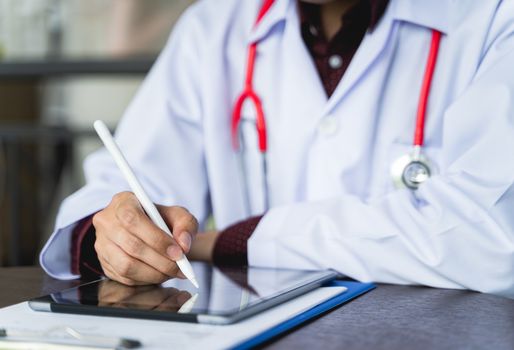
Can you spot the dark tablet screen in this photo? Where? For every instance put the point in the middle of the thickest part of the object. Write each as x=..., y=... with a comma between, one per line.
x=222, y=292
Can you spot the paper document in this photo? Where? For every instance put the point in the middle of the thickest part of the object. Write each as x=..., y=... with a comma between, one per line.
x=164, y=334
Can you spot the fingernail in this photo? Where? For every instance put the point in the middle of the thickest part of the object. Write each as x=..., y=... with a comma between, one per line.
x=185, y=241
x=174, y=252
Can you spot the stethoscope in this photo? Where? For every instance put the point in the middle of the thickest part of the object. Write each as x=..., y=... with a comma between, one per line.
x=409, y=171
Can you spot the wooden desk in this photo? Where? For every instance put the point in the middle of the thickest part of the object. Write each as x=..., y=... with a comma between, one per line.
x=390, y=317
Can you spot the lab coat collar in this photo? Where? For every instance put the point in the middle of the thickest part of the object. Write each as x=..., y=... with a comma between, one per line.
x=276, y=14
x=433, y=14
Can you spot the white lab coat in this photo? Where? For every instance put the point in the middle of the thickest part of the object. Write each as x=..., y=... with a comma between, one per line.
x=332, y=201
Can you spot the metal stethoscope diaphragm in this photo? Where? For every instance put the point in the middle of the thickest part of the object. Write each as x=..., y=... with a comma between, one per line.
x=411, y=170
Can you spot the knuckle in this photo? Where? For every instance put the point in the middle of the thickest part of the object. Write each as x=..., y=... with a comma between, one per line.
x=162, y=278
x=98, y=219
x=183, y=216
x=127, y=281
x=177, y=213
x=193, y=223
x=189, y=223
x=122, y=196
x=108, y=273
x=133, y=246
x=98, y=247
x=127, y=215
x=124, y=267
x=158, y=239
x=181, y=209
x=171, y=269
x=157, y=278
x=161, y=241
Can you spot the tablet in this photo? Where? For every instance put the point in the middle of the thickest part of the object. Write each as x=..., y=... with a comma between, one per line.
x=226, y=295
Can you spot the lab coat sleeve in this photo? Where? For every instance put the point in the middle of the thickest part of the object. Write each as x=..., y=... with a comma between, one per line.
x=161, y=136
x=456, y=231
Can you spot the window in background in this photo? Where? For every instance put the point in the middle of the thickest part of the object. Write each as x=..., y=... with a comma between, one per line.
x=31, y=29
x=62, y=31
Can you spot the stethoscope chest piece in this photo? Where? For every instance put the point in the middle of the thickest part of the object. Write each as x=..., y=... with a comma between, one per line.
x=411, y=170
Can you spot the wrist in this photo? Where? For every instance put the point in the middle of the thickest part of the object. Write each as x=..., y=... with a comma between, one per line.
x=203, y=246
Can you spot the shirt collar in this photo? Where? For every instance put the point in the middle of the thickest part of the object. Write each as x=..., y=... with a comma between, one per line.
x=373, y=11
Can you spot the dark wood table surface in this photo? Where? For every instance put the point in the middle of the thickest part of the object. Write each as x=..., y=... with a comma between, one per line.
x=389, y=317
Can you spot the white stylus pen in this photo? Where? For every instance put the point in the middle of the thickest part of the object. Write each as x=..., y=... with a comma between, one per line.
x=148, y=206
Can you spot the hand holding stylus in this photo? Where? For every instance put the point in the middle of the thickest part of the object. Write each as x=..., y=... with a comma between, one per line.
x=134, y=243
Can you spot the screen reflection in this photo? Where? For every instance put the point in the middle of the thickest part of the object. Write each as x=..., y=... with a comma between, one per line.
x=222, y=290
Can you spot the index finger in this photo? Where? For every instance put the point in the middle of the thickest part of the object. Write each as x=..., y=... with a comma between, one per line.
x=183, y=224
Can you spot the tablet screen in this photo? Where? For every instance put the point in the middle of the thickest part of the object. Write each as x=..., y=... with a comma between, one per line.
x=222, y=291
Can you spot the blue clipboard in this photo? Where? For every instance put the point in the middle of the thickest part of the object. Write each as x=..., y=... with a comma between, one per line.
x=354, y=289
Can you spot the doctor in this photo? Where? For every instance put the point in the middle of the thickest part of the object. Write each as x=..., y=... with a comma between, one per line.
x=384, y=150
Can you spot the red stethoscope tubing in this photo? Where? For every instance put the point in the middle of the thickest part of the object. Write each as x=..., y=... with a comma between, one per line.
x=250, y=94
x=425, y=88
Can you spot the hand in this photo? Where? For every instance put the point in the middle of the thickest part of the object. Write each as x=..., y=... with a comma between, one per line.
x=133, y=250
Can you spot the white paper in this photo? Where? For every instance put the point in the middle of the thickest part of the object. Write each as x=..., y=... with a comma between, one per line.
x=164, y=334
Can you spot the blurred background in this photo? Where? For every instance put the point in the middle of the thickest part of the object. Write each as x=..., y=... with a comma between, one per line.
x=63, y=64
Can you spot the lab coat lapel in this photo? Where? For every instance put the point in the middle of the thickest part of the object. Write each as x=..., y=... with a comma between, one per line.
x=295, y=102
x=434, y=14
x=302, y=89
x=276, y=14
x=370, y=49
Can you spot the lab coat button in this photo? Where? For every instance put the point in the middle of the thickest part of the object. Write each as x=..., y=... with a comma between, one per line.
x=328, y=127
